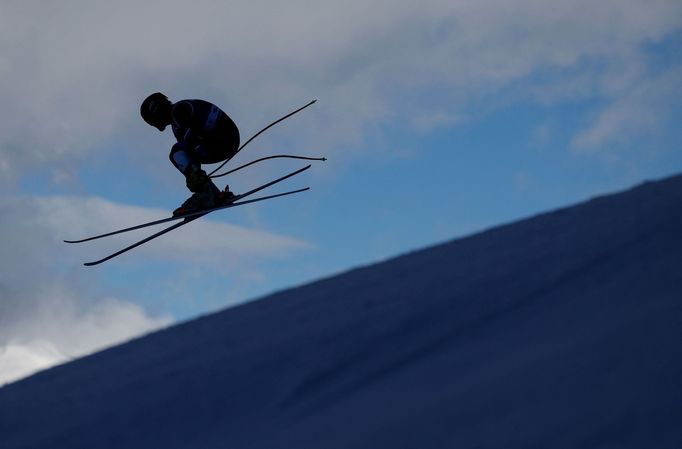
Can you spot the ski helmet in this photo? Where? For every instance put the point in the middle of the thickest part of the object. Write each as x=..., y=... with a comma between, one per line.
x=156, y=110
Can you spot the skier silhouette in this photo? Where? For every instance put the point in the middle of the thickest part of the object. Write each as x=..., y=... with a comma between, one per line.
x=205, y=135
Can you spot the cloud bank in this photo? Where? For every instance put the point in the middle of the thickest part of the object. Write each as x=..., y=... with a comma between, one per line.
x=51, y=312
x=62, y=324
x=82, y=67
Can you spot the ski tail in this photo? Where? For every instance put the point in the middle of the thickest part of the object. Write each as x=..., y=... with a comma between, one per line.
x=145, y=240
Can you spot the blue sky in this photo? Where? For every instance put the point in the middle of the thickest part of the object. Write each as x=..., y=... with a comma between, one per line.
x=438, y=121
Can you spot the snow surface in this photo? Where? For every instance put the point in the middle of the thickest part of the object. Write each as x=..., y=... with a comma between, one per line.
x=560, y=331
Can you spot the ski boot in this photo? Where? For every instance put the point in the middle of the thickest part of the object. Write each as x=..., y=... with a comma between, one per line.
x=205, y=194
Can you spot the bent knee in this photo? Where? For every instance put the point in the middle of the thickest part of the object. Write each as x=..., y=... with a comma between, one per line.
x=181, y=159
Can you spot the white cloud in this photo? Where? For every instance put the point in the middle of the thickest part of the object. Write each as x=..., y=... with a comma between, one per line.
x=76, y=217
x=641, y=110
x=47, y=317
x=51, y=308
x=60, y=329
x=82, y=67
x=20, y=360
x=48, y=314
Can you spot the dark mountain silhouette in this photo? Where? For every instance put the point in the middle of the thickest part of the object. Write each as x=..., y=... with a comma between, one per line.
x=560, y=331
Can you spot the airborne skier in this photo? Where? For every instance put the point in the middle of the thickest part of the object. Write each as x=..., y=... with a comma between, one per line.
x=205, y=135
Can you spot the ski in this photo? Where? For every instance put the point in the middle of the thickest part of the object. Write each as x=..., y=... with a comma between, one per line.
x=213, y=175
x=188, y=218
x=233, y=202
x=184, y=222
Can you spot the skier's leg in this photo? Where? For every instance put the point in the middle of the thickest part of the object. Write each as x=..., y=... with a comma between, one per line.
x=205, y=193
x=181, y=157
x=213, y=151
x=221, y=144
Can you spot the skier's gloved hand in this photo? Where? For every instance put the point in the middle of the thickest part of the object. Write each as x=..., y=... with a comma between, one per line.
x=196, y=180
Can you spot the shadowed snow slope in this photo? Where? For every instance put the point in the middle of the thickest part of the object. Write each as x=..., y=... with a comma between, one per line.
x=560, y=331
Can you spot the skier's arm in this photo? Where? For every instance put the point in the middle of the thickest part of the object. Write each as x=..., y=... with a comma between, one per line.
x=183, y=115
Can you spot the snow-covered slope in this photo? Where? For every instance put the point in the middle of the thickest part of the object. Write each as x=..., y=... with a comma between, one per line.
x=561, y=331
